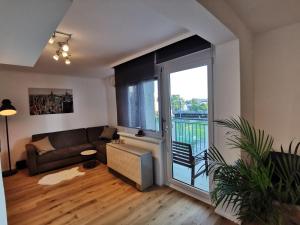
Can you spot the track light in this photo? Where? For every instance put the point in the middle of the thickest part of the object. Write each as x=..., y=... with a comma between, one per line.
x=67, y=61
x=52, y=39
x=65, y=47
x=56, y=56
x=64, y=54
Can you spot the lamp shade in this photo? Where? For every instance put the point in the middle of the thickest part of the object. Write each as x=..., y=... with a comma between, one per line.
x=7, y=109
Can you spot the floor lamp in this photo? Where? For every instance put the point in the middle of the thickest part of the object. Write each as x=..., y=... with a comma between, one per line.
x=7, y=109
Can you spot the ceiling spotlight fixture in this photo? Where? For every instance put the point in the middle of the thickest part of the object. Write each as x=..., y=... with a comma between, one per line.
x=68, y=61
x=52, y=39
x=56, y=56
x=64, y=54
x=62, y=39
x=65, y=47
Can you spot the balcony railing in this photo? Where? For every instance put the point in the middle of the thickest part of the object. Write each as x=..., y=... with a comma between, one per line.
x=193, y=132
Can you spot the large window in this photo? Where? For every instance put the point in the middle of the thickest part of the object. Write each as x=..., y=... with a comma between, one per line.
x=137, y=93
x=137, y=86
x=143, y=106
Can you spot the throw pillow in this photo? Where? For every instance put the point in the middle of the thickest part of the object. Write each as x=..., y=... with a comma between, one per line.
x=43, y=146
x=108, y=133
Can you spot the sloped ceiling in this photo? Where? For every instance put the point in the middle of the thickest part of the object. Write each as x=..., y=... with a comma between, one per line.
x=104, y=32
x=25, y=27
x=107, y=32
x=265, y=15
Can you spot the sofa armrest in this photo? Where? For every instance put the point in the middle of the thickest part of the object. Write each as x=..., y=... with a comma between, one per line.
x=32, y=155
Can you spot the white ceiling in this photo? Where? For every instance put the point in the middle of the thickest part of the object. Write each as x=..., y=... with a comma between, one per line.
x=109, y=31
x=265, y=15
x=104, y=32
x=22, y=35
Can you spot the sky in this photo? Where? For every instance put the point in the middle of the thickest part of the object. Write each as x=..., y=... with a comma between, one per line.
x=190, y=83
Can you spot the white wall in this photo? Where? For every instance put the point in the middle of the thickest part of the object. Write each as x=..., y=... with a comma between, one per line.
x=227, y=101
x=227, y=98
x=90, y=107
x=277, y=83
x=111, y=100
x=230, y=19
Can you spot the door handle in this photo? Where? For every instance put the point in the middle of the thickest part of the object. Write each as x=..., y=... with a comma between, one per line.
x=164, y=126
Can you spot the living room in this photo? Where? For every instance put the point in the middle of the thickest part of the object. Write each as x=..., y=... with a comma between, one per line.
x=116, y=112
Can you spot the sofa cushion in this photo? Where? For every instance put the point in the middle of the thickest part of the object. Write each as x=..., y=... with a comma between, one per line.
x=43, y=146
x=108, y=133
x=63, y=153
x=63, y=139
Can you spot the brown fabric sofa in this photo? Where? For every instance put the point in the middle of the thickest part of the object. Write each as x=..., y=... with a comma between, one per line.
x=68, y=144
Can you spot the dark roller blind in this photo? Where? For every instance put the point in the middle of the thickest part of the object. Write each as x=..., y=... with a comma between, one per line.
x=127, y=77
x=181, y=48
x=136, y=70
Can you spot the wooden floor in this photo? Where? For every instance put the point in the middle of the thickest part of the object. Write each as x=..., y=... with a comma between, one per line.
x=99, y=198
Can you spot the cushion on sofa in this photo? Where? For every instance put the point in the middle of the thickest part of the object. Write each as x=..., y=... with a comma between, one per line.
x=43, y=146
x=63, y=139
x=108, y=133
x=63, y=153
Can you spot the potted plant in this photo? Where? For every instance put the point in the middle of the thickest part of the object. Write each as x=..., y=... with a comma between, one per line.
x=262, y=189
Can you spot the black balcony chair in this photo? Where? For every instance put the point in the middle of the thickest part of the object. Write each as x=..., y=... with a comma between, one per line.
x=183, y=155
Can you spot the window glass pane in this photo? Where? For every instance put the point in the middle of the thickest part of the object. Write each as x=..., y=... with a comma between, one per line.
x=149, y=105
x=133, y=104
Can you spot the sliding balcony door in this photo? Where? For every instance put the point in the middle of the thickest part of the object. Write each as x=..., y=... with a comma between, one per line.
x=187, y=113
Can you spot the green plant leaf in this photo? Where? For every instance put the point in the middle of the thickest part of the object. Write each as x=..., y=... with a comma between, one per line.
x=246, y=187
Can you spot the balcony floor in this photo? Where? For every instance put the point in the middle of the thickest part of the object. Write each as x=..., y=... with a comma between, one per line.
x=183, y=174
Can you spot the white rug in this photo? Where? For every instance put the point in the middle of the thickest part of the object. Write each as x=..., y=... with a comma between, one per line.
x=55, y=178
